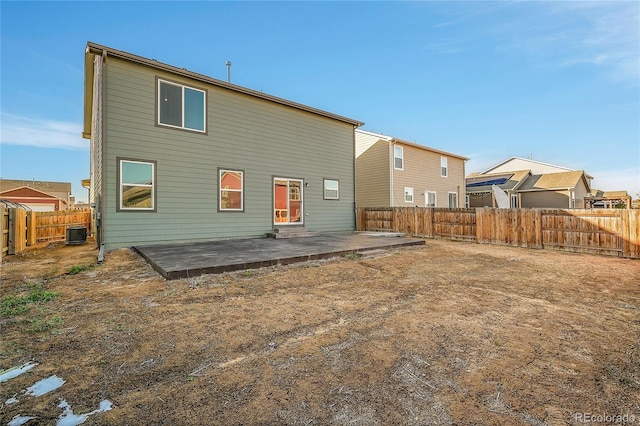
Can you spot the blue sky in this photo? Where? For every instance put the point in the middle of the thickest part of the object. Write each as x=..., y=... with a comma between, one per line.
x=558, y=81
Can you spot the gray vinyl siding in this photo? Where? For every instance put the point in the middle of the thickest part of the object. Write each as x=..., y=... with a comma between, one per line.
x=481, y=200
x=581, y=191
x=372, y=171
x=545, y=199
x=260, y=137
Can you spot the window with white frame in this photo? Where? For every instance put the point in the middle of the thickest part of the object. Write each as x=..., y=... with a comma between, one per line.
x=331, y=189
x=453, y=200
x=444, y=169
x=182, y=107
x=231, y=184
x=408, y=194
x=398, y=157
x=136, y=186
x=429, y=198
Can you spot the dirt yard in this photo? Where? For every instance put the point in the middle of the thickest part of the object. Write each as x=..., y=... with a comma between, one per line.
x=451, y=333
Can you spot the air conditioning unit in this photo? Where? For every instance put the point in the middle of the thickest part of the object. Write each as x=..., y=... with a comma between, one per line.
x=76, y=235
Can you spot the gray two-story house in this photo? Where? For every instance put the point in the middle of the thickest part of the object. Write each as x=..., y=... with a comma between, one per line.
x=179, y=156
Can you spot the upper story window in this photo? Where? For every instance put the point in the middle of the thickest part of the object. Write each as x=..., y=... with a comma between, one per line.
x=331, y=189
x=398, y=157
x=136, y=185
x=182, y=107
x=444, y=169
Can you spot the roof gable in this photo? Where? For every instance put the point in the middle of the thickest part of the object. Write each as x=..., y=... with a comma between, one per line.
x=45, y=186
x=407, y=143
x=26, y=192
x=554, y=181
x=519, y=163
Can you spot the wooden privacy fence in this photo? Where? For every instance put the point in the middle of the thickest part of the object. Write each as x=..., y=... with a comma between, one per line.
x=22, y=228
x=53, y=225
x=614, y=232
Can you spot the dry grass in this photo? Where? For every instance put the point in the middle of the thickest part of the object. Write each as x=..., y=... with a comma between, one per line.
x=449, y=333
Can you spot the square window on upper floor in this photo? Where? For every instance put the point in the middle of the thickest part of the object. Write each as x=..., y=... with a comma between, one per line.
x=181, y=106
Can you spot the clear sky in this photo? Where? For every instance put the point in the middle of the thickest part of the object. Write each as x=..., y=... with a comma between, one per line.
x=557, y=81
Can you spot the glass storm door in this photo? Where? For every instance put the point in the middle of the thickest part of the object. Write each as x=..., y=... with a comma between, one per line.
x=287, y=201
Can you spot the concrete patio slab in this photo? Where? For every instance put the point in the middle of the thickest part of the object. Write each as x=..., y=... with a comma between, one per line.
x=185, y=260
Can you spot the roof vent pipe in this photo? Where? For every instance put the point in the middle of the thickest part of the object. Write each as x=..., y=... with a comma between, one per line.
x=228, y=71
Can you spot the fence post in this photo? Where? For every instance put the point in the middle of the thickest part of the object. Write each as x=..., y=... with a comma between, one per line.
x=12, y=230
x=31, y=228
x=4, y=231
x=630, y=232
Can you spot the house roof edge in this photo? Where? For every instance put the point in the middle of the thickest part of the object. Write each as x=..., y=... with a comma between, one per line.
x=100, y=49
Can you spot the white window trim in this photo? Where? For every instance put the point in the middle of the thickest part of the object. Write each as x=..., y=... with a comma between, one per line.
x=220, y=189
x=426, y=198
x=444, y=166
x=408, y=191
x=152, y=186
x=204, y=107
x=449, y=199
x=324, y=189
x=401, y=157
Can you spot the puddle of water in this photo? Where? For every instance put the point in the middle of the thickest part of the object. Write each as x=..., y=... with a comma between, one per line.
x=45, y=386
x=12, y=400
x=19, y=420
x=16, y=371
x=67, y=418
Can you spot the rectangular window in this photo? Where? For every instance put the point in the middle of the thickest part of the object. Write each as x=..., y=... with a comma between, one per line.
x=398, y=157
x=231, y=184
x=430, y=198
x=181, y=106
x=453, y=200
x=331, y=189
x=514, y=201
x=444, y=172
x=408, y=194
x=136, y=185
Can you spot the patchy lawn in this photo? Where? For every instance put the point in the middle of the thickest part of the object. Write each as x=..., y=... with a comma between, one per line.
x=448, y=333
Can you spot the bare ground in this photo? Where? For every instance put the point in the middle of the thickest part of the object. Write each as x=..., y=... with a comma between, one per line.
x=452, y=333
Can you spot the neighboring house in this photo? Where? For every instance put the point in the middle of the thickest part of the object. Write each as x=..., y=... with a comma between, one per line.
x=179, y=156
x=37, y=195
x=479, y=187
x=555, y=190
x=392, y=172
x=530, y=183
x=513, y=164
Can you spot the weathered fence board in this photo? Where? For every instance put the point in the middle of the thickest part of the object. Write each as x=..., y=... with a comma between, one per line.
x=18, y=230
x=584, y=231
x=456, y=224
x=4, y=226
x=614, y=232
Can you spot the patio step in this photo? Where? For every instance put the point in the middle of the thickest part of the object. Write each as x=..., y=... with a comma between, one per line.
x=291, y=233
